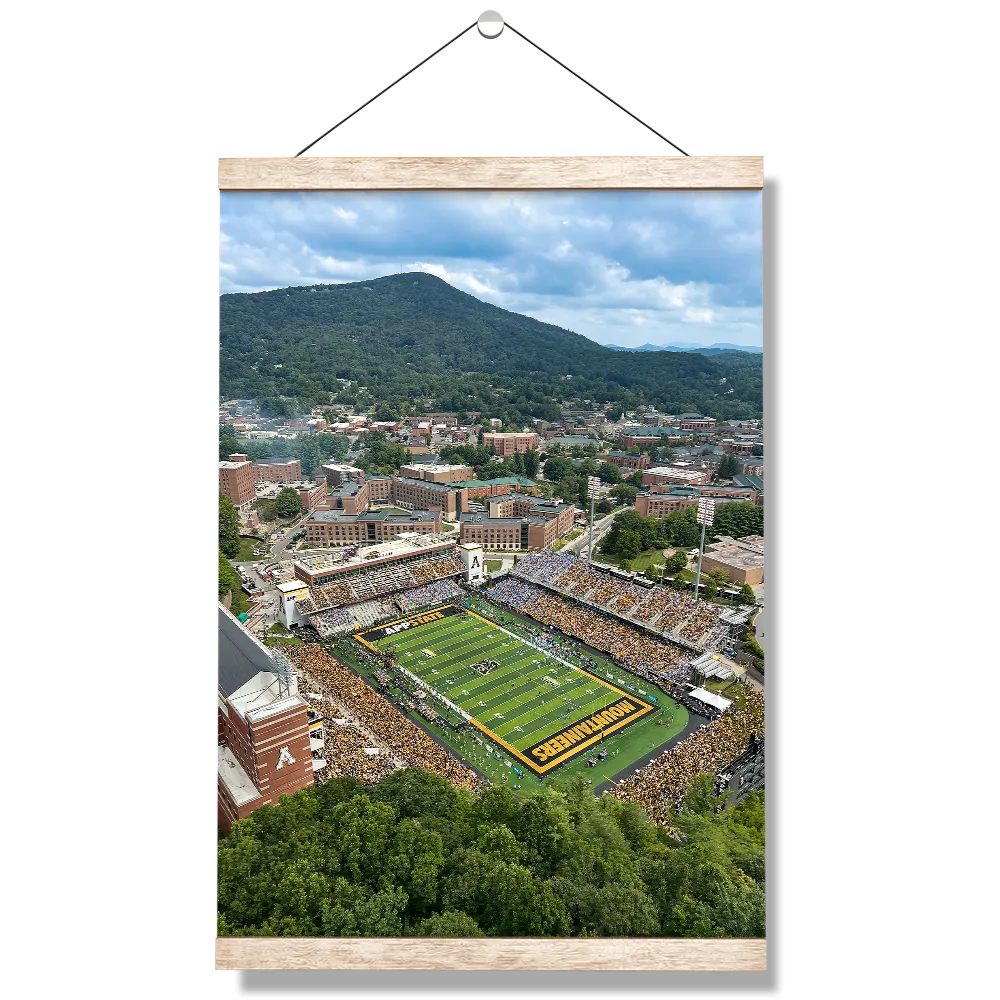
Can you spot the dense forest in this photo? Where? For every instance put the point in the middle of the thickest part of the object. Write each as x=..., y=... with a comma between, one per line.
x=408, y=338
x=414, y=856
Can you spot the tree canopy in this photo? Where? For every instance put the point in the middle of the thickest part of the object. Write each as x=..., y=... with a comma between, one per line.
x=413, y=856
x=287, y=503
x=229, y=527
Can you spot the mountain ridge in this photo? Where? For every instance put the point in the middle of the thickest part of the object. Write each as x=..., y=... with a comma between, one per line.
x=413, y=335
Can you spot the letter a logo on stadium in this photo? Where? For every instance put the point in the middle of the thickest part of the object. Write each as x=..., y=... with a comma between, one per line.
x=284, y=758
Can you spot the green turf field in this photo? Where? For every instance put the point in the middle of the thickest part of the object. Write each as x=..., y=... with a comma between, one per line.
x=541, y=708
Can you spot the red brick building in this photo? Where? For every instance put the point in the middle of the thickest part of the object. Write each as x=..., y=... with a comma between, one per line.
x=626, y=461
x=236, y=481
x=510, y=443
x=517, y=522
x=277, y=470
x=265, y=748
x=335, y=527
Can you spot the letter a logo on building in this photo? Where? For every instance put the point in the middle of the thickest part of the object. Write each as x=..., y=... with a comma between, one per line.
x=284, y=758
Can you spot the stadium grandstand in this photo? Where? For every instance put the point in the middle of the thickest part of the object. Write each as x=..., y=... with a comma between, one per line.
x=359, y=587
x=695, y=624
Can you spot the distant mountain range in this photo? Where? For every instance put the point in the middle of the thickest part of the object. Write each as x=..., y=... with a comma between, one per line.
x=688, y=348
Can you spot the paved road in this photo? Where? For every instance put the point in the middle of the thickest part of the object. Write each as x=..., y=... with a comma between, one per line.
x=579, y=545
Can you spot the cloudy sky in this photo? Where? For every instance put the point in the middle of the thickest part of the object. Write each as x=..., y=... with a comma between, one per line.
x=624, y=268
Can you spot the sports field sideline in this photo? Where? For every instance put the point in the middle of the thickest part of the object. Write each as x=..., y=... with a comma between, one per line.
x=539, y=708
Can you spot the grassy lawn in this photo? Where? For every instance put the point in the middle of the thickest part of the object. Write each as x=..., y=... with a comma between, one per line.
x=448, y=526
x=247, y=545
x=492, y=565
x=282, y=640
x=643, y=561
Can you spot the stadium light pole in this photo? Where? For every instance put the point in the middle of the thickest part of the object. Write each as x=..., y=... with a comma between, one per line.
x=706, y=515
x=592, y=482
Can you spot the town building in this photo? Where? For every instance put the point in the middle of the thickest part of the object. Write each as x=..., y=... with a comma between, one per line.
x=510, y=443
x=277, y=470
x=436, y=472
x=678, y=477
x=312, y=494
x=236, y=481
x=517, y=522
x=741, y=559
x=335, y=527
x=626, y=461
x=265, y=745
x=695, y=422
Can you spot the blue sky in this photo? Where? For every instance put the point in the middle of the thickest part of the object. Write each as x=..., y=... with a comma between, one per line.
x=618, y=267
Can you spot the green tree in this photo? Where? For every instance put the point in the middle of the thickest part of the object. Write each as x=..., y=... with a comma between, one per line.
x=230, y=585
x=738, y=520
x=609, y=473
x=531, y=462
x=630, y=544
x=287, y=503
x=624, y=493
x=719, y=576
x=746, y=595
x=451, y=924
x=757, y=450
x=677, y=562
x=229, y=527
x=709, y=587
x=729, y=466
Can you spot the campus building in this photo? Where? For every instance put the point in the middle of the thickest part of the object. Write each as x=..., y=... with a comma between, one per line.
x=277, y=470
x=436, y=472
x=236, y=481
x=335, y=527
x=265, y=748
x=514, y=521
x=311, y=494
x=314, y=569
x=695, y=422
x=677, y=477
x=741, y=559
x=626, y=461
x=510, y=443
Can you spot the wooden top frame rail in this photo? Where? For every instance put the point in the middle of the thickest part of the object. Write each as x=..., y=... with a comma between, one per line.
x=476, y=954
x=395, y=173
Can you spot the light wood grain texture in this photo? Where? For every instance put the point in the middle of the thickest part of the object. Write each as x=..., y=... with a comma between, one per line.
x=313, y=173
x=632, y=954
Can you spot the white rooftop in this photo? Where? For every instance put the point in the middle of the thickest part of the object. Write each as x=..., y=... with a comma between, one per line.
x=236, y=780
x=710, y=698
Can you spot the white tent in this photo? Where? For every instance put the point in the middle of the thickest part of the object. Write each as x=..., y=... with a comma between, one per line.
x=709, y=698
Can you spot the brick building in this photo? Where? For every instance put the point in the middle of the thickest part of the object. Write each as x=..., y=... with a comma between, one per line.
x=510, y=443
x=277, y=470
x=741, y=559
x=517, y=522
x=677, y=477
x=695, y=422
x=236, y=481
x=436, y=472
x=265, y=745
x=626, y=461
x=335, y=527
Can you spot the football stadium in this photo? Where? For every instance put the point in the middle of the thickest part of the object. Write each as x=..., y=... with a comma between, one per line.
x=539, y=706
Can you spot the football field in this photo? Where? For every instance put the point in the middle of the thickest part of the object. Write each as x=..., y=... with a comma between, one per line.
x=541, y=709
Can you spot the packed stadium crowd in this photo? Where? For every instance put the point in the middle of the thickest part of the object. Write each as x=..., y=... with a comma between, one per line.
x=642, y=654
x=660, y=786
x=659, y=607
x=371, y=583
x=430, y=593
x=392, y=728
x=343, y=621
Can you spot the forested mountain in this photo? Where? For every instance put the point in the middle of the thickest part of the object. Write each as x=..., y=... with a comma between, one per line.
x=410, y=336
